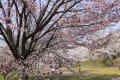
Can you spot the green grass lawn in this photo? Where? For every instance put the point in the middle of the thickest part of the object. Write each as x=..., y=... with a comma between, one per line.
x=96, y=70
x=91, y=70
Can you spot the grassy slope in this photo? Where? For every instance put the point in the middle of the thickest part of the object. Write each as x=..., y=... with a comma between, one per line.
x=96, y=69
x=99, y=67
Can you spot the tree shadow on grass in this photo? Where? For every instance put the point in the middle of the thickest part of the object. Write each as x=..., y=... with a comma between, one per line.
x=90, y=77
x=102, y=77
x=84, y=76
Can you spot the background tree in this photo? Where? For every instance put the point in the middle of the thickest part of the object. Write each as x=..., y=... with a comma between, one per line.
x=84, y=25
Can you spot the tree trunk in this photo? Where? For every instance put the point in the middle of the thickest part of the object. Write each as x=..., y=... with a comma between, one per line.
x=22, y=73
x=4, y=77
x=79, y=68
x=24, y=77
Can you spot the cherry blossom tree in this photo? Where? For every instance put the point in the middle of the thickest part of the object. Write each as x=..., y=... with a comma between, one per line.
x=95, y=15
x=32, y=28
x=27, y=26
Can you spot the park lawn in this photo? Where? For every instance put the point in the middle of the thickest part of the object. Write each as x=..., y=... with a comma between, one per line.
x=95, y=73
x=96, y=70
x=99, y=67
x=10, y=76
x=1, y=77
x=102, y=70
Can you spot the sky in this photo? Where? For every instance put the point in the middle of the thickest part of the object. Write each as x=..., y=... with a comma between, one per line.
x=117, y=26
